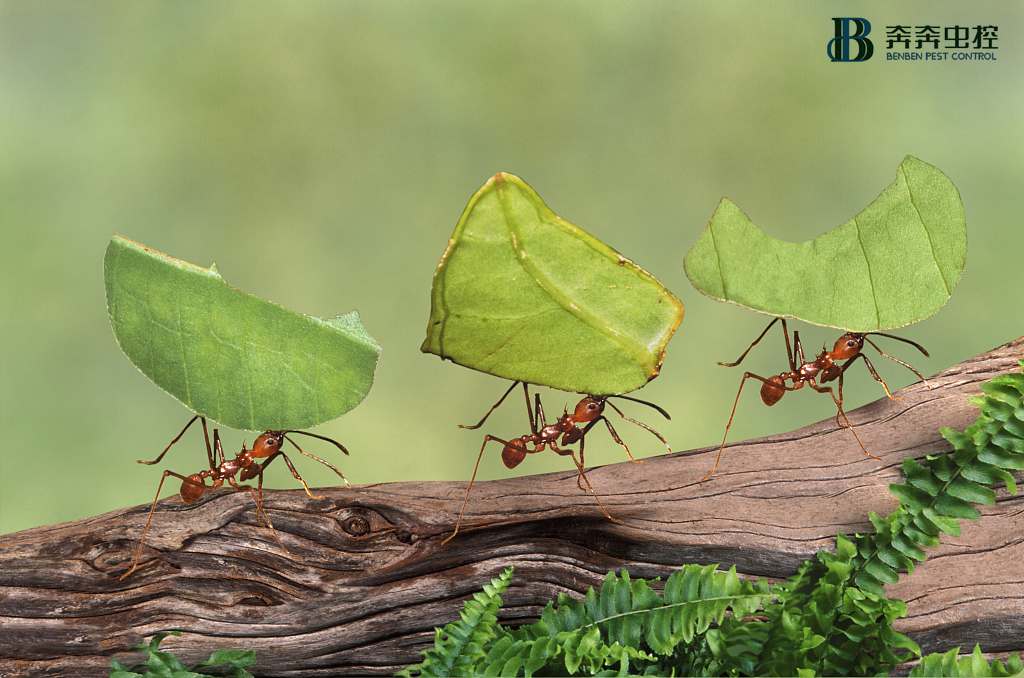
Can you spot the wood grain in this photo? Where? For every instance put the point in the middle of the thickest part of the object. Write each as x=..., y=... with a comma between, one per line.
x=373, y=580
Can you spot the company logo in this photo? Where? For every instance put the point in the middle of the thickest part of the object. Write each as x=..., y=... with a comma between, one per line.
x=958, y=43
x=850, y=30
x=913, y=42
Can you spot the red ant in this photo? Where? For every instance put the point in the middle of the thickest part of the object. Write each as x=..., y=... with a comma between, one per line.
x=589, y=410
x=822, y=369
x=268, y=445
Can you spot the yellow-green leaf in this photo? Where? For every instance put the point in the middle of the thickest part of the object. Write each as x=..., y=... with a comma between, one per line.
x=525, y=295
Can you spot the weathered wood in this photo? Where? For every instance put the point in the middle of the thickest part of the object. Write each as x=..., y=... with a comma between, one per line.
x=374, y=579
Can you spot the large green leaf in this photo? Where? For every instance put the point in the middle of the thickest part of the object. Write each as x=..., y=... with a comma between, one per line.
x=234, y=358
x=525, y=295
x=891, y=265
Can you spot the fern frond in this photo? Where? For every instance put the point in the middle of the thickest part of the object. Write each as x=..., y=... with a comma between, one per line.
x=949, y=665
x=695, y=597
x=944, y=489
x=459, y=646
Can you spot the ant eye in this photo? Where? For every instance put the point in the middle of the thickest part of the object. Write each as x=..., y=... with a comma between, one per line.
x=851, y=344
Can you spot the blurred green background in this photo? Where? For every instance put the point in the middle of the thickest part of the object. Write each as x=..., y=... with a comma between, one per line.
x=322, y=153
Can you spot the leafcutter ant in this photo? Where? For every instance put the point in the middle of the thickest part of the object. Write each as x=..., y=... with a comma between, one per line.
x=558, y=436
x=821, y=370
x=267, y=446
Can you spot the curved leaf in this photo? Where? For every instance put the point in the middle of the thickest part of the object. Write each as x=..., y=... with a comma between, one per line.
x=893, y=264
x=525, y=295
x=239, y=360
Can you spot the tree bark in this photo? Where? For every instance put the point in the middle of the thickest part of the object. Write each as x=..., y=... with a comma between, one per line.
x=374, y=579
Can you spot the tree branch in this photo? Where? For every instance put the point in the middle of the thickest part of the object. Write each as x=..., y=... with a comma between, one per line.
x=373, y=580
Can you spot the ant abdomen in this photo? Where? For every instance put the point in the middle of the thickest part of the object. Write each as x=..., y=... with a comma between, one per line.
x=513, y=453
x=772, y=390
x=192, y=489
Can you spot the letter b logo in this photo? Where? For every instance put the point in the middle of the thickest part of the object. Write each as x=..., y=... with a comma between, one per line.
x=847, y=30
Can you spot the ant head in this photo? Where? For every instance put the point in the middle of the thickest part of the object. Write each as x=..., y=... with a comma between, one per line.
x=589, y=409
x=268, y=443
x=848, y=345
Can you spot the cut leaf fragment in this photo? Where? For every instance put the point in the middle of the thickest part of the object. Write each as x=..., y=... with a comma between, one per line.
x=525, y=295
x=236, y=359
x=893, y=264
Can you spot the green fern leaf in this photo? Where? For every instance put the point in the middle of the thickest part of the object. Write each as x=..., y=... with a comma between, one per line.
x=459, y=646
x=954, y=507
x=1010, y=440
x=922, y=486
x=970, y=491
x=949, y=664
x=942, y=521
x=988, y=474
x=905, y=543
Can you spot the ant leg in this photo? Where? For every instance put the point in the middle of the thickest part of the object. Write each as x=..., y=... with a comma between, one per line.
x=615, y=436
x=839, y=407
x=789, y=350
x=216, y=440
x=746, y=375
x=582, y=474
x=638, y=423
x=258, y=499
x=799, y=351
x=740, y=359
x=884, y=355
x=217, y=448
x=840, y=401
x=152, y=510
x=583, y=465
x=871, y=369
x=296, y=473
x=538, y=423
x=566, y=451
x=840, y=411
x=176, y=439
x=487, y=439
x=497, y=404
x=727, y=427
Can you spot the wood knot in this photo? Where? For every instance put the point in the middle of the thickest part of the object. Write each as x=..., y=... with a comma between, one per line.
x=357, y=526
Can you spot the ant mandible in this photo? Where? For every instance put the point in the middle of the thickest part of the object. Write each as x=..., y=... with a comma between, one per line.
x=821, y=370
x=558, y=436
x=267, y=446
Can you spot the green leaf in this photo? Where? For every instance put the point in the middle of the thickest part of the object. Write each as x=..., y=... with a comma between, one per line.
x=911, y=497
x=525, y=295
x=945, y=523
x=239, y=360
x=954, y=507
x=881, y=571
x=237, y=658
x=893, y=264
x=971, y=491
